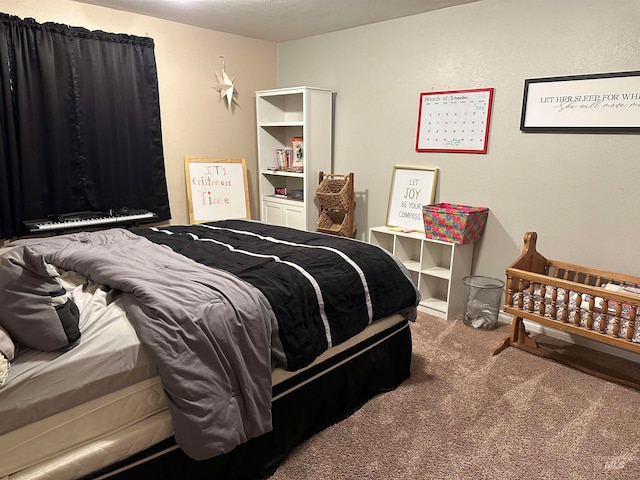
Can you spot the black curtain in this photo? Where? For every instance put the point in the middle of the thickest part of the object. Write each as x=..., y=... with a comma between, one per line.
x=79, y=123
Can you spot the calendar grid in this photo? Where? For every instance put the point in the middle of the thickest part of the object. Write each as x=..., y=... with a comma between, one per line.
x=454, y=121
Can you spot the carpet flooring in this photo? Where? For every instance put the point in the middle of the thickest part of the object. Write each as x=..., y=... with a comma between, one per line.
x=466, y=414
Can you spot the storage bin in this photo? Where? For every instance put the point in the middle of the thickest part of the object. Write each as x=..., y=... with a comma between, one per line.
x=332, y=221
x=454, y=223
x=334, y=193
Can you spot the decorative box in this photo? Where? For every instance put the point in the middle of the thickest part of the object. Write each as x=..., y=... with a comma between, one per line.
x=454, y=223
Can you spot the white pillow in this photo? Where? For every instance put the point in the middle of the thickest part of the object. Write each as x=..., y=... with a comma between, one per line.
x=7, y=351
x=4, y=369
x=7, y=348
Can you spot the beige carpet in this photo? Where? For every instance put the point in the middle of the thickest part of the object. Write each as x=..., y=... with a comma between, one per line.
x=465, y=414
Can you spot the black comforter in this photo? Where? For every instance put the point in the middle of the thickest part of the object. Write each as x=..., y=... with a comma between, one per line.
x=323, y=289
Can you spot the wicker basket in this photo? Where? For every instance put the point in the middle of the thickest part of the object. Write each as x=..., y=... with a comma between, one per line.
x=333, y=193
x=334, y=222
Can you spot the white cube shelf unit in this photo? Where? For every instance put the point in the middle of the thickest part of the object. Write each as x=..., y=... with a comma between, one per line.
x=437, y=268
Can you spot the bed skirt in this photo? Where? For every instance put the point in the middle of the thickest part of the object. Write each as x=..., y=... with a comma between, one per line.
x=328, y=392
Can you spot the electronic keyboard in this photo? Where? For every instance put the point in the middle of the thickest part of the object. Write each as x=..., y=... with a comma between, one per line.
x=90, y=219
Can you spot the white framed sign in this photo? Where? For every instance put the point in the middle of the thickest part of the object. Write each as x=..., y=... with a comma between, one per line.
x=411, y=187
x=216, y=189
x=606, y=102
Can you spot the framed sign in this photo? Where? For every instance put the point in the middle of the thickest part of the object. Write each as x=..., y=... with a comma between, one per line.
x=411, y=187
x=606, y=102
x=454, y=121
x=216, y=189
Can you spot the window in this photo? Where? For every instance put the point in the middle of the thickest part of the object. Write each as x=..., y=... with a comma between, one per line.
x=79, y=123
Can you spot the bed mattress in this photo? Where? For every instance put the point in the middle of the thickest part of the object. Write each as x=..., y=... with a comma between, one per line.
x=70, y=442
x=45, y=410
x=102, y=431
x=109, y=357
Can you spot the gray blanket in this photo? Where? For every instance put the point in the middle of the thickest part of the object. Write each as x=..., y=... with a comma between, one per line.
x=207, y=330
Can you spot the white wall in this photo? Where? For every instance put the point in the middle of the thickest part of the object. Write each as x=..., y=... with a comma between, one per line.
x=578, y=191
x=195, y=122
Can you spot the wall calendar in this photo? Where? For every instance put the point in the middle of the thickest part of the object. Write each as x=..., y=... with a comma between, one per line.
x=454, y=121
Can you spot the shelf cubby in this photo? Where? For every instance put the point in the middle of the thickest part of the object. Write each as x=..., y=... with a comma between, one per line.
x=435, y=267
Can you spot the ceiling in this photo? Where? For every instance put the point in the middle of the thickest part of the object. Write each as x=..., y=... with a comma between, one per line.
x=277, y=20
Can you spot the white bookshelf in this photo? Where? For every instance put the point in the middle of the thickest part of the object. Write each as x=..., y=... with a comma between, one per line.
x=281, y=114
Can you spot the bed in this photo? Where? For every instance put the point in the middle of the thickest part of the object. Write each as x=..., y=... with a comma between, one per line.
x=596, y=304
x=200, y=351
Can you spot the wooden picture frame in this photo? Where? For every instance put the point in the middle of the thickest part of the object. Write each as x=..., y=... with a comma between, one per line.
x=297, y=154
x=454, y=121
x=603, y=102
x=411, y=187
x=217, y=189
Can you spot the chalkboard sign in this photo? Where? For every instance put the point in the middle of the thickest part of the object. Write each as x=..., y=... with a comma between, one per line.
x=411, y=187
x=216, y=189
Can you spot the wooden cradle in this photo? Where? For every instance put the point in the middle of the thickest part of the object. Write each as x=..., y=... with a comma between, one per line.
x=574, y=299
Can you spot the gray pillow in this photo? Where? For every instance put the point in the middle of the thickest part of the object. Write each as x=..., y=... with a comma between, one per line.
x=35, y=309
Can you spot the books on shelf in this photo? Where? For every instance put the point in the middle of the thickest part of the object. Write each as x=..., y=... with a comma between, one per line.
x=291, y=159
x=281, y=159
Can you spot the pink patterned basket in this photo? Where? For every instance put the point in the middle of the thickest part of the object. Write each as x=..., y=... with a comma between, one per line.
x=454, y=223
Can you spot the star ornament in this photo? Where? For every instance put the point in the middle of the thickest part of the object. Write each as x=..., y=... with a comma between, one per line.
x=226, y=88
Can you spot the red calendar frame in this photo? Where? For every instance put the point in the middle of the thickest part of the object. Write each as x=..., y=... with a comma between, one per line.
x=454, y=121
